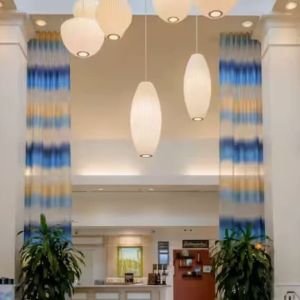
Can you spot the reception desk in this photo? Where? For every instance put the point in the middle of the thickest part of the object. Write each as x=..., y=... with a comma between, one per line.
x=121, y=292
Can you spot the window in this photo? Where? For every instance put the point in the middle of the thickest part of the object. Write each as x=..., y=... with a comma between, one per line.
x=163, y=253
x=130, y=260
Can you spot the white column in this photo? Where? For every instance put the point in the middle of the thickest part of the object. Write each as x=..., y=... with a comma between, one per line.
x=280, y=37
x=13, y=64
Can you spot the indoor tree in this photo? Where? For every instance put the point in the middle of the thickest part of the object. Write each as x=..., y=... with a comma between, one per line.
x=50, y=264
x=243, y=266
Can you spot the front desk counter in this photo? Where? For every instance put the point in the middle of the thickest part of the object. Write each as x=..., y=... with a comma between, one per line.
x=121, y=292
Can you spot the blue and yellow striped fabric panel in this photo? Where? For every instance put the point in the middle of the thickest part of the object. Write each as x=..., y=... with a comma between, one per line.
x=48, y=153
x=241, y=143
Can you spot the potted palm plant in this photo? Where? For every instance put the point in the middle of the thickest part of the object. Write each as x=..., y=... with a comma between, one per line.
x=50, y=265
x=243, y=266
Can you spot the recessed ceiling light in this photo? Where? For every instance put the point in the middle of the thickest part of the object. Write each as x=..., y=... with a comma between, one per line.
x=291, y=5
x=40, y=22
x=1, y=4
x=247, y=24
x=215, y=14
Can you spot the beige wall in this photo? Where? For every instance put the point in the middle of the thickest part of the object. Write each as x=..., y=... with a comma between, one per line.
x=145, y=209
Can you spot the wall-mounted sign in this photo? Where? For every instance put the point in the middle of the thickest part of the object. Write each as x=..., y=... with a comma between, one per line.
x=195, y=244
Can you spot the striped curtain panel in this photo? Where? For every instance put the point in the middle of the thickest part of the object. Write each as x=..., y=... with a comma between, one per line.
x=48, y=182
x=241, y=145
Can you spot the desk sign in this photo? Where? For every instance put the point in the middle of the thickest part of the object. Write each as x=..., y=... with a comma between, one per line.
x=195, y=244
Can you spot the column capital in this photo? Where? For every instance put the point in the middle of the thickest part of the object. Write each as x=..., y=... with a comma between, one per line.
x=277, y=30
x=15, y=29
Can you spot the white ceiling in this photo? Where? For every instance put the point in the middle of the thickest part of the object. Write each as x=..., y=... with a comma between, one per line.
x=102, y=91
x=243, y=8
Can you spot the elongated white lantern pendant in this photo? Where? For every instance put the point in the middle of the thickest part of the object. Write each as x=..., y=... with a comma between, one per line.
x=197, y=87
x=172, y=11
x=146, y=119
x=114, y=17
x=215, y=9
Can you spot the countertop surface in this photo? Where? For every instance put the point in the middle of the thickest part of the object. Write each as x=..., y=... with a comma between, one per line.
x=121, y=286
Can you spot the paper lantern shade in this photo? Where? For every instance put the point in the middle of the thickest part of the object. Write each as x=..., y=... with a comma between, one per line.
x=85, y=8
x=114, y=17
x=146, y=119
x=82, y=36
x=215, y=9
x=172, y=11
x=197, y=87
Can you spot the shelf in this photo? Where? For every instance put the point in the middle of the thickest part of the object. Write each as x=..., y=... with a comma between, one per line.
x=184, y=257
x=192, y=276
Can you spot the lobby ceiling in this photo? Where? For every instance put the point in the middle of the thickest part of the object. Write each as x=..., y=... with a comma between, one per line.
x=244, y=7
x=102, y=90
x=103, y=86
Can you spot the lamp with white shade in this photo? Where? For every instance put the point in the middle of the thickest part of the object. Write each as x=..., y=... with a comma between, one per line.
x=145, y=115
x=197, y=85
x=215, y=9
x=172, y=11
x=82, y=36
x=114, y=17
x=85, y=8
x=145, y=119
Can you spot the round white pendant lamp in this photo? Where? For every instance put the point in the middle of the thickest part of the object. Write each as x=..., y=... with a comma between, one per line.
x=197, y=87
x=114, y=17
x=85, y=8
x=83, y=37
x=172, y=11
x=215, y=9
x=145, y=119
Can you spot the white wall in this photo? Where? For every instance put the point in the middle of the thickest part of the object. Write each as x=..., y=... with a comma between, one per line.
x=118, y=157
x=12, y=144
x=281, y=91
x=146, y=209
x=95, y=263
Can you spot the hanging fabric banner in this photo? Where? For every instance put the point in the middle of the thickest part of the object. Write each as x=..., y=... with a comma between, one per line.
x=241, y=144
x=48, y=182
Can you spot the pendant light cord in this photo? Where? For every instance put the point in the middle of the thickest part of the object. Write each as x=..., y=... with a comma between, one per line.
x=83, y=6
x=196, y=32
x=146, y=41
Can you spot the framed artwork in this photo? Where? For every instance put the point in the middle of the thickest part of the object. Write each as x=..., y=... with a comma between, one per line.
x=130, y=260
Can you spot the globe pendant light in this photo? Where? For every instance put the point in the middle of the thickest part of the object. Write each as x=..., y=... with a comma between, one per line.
x=85, y=8
x=172, y=11
x=215, y=9
x=197, y=85
x=114, y=17
x=82, y=36
x=145, y=115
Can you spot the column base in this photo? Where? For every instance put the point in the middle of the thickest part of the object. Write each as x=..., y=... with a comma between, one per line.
x=280, y=291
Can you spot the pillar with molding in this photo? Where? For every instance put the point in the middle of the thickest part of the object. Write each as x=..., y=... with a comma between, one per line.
x=13, y=62
x=280, y=38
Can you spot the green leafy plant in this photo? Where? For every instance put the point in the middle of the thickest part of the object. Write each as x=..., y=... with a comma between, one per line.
x=50, y=264
x=243, y=267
